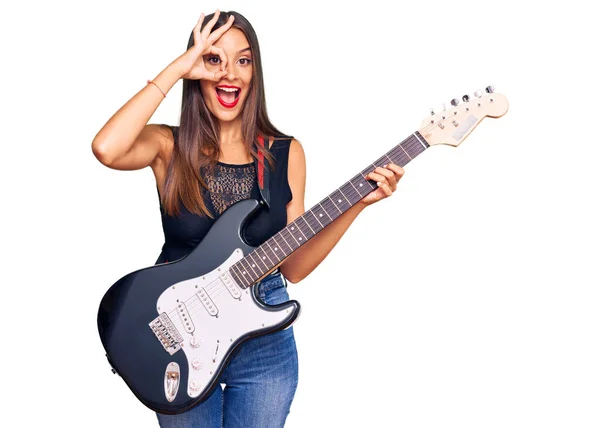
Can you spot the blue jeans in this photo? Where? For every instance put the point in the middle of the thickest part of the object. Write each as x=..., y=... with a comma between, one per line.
x=260, y=379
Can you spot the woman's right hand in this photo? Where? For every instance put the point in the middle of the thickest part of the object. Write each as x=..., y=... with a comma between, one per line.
x=191, y=62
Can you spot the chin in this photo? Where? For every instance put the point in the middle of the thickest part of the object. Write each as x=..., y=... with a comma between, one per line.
x=226, y=116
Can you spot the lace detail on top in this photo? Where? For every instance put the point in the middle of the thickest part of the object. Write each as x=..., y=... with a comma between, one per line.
x=229, y=184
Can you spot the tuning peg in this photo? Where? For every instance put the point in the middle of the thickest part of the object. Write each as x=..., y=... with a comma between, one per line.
x=443, y=107
x=455, y=102
x=432, y=111
x=466, y=98
x=489, y=89
x=478, y=93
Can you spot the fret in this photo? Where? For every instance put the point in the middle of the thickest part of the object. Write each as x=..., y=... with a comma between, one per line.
x=342, y=192
x=401, y=156
x=235, y=272
x=333, y=204
x=275, y=252
x=355, y=189
x=261, y=258
x=317, y=218
x=304, y=228
x=248, y=271
x=364, y=186
x=309, y=226
x=340, y=201
x=325, y=211
x=292, y=231
x=405, y=151
x=312, y=222
x=350, y=193
x=367, y=170
x=245, y=274
x=255, y=265
x=420, y=140
x=287, y=240
x=266, y=253
x=297, y=227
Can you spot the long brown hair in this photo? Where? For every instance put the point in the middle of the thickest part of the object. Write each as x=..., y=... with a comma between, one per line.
x=198, y=137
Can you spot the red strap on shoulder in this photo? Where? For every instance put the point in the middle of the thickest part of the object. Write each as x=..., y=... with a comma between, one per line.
x=261, y=159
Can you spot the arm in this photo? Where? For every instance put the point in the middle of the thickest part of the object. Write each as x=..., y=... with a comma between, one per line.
x=126, y=141
x=306, y=258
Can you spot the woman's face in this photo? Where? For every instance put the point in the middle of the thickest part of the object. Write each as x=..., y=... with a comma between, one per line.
x=225, y=99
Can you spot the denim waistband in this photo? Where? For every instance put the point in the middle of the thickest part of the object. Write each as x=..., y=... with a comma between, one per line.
x=274, y=280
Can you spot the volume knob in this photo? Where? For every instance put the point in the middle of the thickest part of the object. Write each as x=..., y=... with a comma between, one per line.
x=197, y=363
x=195, y=341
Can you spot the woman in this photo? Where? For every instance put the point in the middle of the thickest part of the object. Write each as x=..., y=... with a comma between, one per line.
x=205, y=165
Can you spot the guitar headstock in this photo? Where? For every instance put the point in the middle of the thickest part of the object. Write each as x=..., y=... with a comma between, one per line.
x=451, y=126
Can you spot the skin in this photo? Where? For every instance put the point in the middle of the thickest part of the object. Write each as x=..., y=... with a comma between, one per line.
x=128, y=142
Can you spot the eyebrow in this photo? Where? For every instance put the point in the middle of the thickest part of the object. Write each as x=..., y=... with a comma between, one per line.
x=245, y=49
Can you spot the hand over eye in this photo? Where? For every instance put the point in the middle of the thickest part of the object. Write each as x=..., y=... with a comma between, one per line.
x=192, y=61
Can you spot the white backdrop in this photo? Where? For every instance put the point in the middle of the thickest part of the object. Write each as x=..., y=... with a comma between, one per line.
x=468, y=299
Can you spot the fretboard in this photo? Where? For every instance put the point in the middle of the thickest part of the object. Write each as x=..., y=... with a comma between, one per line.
x=269, y=254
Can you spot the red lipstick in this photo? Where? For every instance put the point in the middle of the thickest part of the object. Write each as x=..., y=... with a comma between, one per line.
x=225, y=103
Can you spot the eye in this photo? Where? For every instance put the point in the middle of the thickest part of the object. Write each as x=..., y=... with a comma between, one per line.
x=245, y=61
x=214, y=59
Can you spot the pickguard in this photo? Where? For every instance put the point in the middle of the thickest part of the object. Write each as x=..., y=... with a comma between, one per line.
x=210, y=314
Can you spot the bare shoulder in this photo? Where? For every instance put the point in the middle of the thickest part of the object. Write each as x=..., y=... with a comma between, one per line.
x=297, y=152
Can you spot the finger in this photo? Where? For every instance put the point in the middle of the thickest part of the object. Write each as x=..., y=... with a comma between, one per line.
x=376, y=177
x=386, y=172
x=208, y=28
x=199, y=23
x=221, y=53
x=215, y=35
x=389, y=175
x=386, y=188
x=398, y=170
x=196, y=30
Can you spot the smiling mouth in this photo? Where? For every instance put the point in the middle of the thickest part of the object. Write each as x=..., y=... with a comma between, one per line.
x=228, y=96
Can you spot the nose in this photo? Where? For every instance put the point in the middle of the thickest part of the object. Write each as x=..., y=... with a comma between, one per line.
x=231, y=72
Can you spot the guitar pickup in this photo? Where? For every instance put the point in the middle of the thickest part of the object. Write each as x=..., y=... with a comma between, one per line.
x=231, y=286
x=185, y=318
x=207, y=302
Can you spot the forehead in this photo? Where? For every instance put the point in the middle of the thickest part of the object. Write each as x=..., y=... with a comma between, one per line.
x=232, y=41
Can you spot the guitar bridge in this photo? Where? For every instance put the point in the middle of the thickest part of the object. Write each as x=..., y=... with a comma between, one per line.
x=166, y=333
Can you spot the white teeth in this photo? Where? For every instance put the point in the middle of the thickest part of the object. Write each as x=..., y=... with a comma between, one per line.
x=229, y=89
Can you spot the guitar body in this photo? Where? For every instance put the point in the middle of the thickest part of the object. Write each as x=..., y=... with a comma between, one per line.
x=169, y=330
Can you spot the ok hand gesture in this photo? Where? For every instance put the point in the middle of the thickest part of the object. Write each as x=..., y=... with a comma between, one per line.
x=191, y=62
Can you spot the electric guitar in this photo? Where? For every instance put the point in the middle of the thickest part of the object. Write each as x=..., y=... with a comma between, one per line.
x=169, y=330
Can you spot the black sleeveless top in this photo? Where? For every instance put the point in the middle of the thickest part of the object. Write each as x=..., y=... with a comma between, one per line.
x=228, y=184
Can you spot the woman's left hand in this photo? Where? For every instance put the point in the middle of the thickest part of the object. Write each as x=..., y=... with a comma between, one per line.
x=387, y=178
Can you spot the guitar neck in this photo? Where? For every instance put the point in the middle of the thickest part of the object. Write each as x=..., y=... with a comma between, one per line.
x=269, y=254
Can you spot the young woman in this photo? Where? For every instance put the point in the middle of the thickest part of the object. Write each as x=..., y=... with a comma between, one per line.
x=206, y=164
